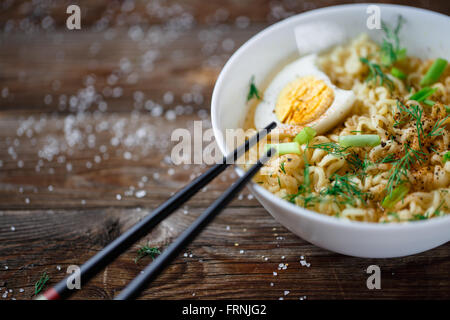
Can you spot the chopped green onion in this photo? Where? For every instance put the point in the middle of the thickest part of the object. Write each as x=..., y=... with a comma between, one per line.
x=401, y=54
x=253, y=91
x=434, y=73
x=398, y=73
x=362, y=140
x=429, y=102
x=447, y=108
x=422, y=94
x=446, y=156
x=305, y=136
x=284, y=148
x=396, y=195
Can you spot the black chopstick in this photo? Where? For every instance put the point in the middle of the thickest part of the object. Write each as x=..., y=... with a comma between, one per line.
x=154, y=269
x=140, y=229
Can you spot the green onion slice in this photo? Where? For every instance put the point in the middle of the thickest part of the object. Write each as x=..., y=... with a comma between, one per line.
x=434, y=73
x=396, y=195
x=362, y=140
x=422, y=94
x=398, y=73
x=446, y=156
x=284, y=148
x=305, y=136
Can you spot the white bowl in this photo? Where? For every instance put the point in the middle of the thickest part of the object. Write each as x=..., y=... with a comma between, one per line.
x=423, y=35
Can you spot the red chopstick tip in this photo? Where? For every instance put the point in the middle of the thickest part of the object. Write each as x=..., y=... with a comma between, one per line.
x=50, y=294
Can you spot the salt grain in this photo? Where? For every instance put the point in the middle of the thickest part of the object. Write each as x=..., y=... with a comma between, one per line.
x=140, y=194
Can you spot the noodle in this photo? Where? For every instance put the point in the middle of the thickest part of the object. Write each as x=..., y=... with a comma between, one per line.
x=373, y=112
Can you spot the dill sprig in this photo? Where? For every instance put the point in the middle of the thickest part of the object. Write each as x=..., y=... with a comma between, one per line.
x=359, y=165
x=146, y=250
x=413, y=112
x=376, y=74
x=41, y=283
x=332, y=148
x=400, y=168
x=253, y=91
x=304, y=190
x=388, y=159
x=391, y=51
x=342, y=189
x=437, y=129
x=438, y=211
x=282, y=168
x=345, y=190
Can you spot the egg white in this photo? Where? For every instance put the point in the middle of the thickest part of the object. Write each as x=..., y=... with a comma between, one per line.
x=302, y=67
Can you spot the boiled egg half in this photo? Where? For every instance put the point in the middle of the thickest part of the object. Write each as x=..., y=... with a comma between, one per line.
x=300, y=96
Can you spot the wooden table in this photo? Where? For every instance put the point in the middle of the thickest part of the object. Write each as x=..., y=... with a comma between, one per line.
x=85, y=124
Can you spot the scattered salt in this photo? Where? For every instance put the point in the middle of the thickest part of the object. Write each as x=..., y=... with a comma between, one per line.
x=140, y=194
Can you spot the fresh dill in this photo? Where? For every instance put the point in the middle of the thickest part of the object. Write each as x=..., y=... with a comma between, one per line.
x=282, y=168
x=253, y=91
x=146, y=250
x=41, y=283
x=332, y=148
x=376, y=74
x=399, y=171
x=438, y=211
x=357, y=164
x=413, y=112
x=304, y=188
x=344, y=190
x=391, y=51
x=388, y=159
x=437, y=129
x=418, y=217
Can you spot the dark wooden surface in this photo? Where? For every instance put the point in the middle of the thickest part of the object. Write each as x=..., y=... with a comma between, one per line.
x=62, y=168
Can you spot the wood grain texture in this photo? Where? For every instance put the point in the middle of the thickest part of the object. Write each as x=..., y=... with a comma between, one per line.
x=70, y=167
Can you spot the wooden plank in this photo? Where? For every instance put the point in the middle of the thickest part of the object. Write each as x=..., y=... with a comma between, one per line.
x=69, y=175
x=213, y=266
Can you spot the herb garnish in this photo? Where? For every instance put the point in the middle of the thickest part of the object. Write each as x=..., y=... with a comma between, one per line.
x=376, y=74
x=399, y=171
x=146, y=250
x=390, y=48
x=415, y=113
x=332, y=148
x=282, y=168
x=437, y=129
x=41, y=283
x=346, y=189
x=253, y=91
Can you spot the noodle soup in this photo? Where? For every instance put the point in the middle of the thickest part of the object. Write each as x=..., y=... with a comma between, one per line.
x=364, y=135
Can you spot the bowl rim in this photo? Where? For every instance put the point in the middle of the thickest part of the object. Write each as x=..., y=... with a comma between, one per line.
x=312, y=215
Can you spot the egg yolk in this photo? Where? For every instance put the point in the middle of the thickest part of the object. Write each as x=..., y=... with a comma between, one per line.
x=303, y=100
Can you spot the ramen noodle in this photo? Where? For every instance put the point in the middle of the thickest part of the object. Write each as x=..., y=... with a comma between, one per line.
x=357, y=183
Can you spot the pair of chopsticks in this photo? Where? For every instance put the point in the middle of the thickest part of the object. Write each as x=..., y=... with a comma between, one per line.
x=114, y=249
